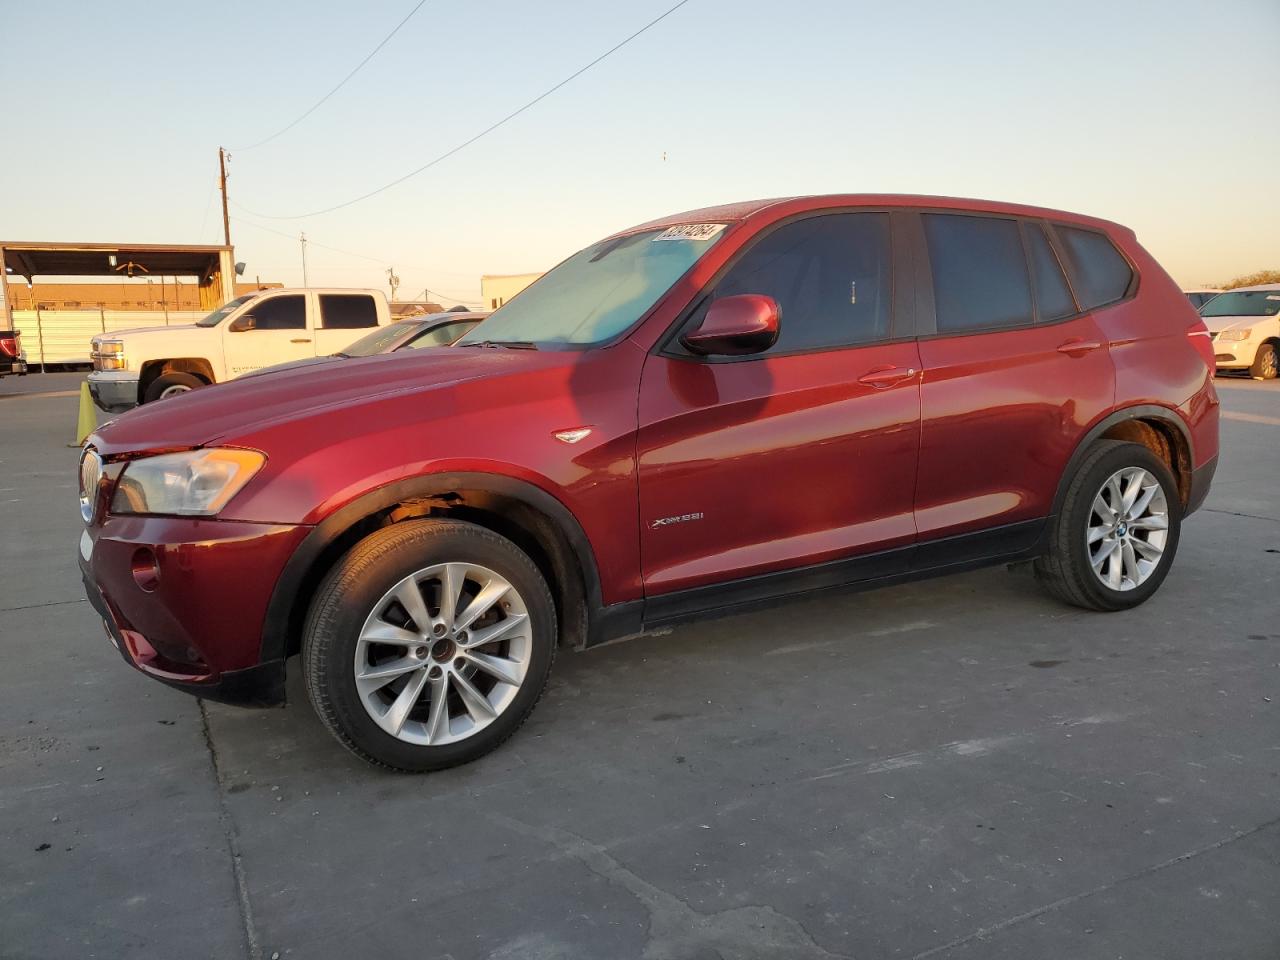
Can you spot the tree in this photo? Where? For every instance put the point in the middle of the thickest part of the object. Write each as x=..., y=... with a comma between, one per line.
x=1252, y=279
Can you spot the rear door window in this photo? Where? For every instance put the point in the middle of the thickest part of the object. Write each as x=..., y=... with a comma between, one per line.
x=347, y=311
x=830, y=274
x=1053, y=296
x=980, y=277
x=1101, y=274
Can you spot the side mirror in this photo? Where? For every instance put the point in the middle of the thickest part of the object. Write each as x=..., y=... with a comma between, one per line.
x=736, y=326
x=241, y=324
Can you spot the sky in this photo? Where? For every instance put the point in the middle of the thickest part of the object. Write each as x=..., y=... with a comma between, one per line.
x=1159, y=115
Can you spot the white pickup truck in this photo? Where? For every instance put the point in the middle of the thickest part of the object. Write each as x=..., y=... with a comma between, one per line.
x=253, y=331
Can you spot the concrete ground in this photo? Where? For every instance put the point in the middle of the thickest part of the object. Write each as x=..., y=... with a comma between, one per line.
x=960, y=769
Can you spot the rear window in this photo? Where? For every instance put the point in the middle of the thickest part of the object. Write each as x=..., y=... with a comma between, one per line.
x=980, y=277
x=1102, y=275
x=441, y=336
x=347, y=311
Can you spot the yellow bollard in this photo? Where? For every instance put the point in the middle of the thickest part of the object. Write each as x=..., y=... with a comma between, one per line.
x=88, y=417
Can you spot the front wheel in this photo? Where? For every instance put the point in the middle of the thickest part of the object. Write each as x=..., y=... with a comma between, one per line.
x=171, y=385
x=428, y=644
x=1113, y=543
x=1264, y=363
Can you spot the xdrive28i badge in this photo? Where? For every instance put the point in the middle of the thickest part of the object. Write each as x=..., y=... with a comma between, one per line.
x=668, y=521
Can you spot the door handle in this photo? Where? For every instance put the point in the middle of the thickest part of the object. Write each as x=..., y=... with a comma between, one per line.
x=886, y=376
x=301, y=340
x=1078, y=346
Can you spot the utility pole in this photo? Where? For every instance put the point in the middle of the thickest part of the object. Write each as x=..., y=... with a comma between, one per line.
x=393, y=282
x=303, y=238
x=223, y=156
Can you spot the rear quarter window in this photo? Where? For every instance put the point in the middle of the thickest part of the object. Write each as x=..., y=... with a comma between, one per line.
x=1053, y=296
x=1102, y=275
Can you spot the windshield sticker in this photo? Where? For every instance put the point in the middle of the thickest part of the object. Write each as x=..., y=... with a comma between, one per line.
x=690, y=231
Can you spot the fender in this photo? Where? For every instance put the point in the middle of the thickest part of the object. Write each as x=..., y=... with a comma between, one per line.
x=1148, y=411
x=275, y=631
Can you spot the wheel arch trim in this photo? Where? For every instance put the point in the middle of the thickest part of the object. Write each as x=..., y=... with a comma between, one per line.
x=1145, y=411
x=275, y=630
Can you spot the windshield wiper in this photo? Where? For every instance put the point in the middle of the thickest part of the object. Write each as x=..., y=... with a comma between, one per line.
x=509, y=344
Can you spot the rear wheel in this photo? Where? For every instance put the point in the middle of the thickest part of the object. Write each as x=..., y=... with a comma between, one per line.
x=1264, y=363
x=171, y=385
x=429, y=644
x=1115, y=539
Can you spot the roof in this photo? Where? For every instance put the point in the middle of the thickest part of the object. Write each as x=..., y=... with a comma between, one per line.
x=30, y=259
x=785, y=206
x=1256, y=286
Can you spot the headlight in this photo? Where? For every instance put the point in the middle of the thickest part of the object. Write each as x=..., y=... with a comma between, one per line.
x=196, y=483
x=1235, y=334
x=107, y=355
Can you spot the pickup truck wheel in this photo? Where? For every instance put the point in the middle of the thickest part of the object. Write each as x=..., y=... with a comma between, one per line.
x=1113, y=543
x=1264, y=363
x=170, y=385
x=428, y=644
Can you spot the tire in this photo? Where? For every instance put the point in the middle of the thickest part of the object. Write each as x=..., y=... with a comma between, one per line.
x=358, y=600
x=1264, y=363
x=1067, y=570
x=171, y=384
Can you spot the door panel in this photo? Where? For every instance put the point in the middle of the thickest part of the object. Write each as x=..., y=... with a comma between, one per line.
x=282, y=334
x=776, y=463
x=1006, y=395
x=802, y=454
x=1000, y=415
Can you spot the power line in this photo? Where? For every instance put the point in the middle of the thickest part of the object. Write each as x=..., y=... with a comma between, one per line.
x=319, y=103
x=349, y=253
x=483, y=133
x=314, y=243
x=205, y=219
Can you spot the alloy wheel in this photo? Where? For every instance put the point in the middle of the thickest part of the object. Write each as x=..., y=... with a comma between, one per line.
x=173, y=391
x=1268, y=371
x=443, y=653
x=1128, y=528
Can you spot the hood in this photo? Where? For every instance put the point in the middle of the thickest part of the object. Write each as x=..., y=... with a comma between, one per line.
x=251, y=405
x=1218, y=324
x=134, y=331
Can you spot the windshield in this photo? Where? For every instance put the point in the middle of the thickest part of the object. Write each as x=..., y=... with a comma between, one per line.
x=379, y=341
x=598, y=292
x=1243, y=303
x=228, y=308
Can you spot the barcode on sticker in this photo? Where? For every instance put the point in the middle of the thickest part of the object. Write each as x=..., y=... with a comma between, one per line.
x=690, y=231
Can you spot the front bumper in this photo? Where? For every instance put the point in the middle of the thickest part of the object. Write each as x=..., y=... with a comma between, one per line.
x=184, y=600
x=114, y=391
x=1233, y=354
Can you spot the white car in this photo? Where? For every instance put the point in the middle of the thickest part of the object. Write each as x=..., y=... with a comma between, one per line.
x=1245, y=326
x=246, y=334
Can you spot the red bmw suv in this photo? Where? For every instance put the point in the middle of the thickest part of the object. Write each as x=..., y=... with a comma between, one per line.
x=713, y=410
